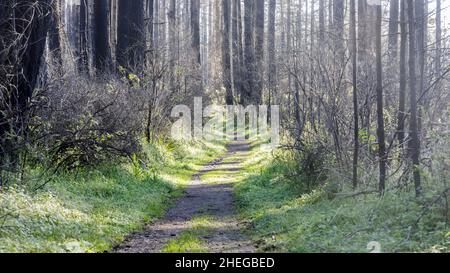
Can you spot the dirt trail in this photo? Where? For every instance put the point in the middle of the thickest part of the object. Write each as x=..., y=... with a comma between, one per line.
x=214, y=199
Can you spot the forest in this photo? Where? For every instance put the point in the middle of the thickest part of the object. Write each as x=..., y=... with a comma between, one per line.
x=356, y=93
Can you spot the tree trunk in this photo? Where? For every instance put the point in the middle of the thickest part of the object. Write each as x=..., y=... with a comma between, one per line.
x=173, y=56
x=288, y=55
x=226, y=57
x=272, y=75
x=23, y=31
x=113, y=28
x=150, y=9
x=362, y=28
x=83, y=60
x=338, y=12
x=421, y=47
x=102, y=51
x=249, y=54
x=283, y=28
x=355, y=91
x=237, y=46
x=217, y=24
x=162, y=25
x=296, y=89
x=259, y=50
x=330, y=14
x=438, y=57
x=393, y=27
x=131, y=34
x=414, y=143
x=54, y=39
x=322, y=21
x=155, y=27
x=380, y=109
x=195, y=30
x=402, y=92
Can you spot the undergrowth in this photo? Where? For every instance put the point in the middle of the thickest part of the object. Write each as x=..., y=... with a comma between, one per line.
x=284, y=217
x=93, y=209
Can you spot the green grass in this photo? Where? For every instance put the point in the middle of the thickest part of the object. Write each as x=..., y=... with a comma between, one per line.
x=190, y=241
x=92, y=210
x=283, y=219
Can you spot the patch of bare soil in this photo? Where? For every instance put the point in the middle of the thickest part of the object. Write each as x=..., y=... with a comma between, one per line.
x=212, y=199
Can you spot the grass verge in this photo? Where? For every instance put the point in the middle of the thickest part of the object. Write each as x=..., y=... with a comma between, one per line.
x=283, y=219
x=92, y=210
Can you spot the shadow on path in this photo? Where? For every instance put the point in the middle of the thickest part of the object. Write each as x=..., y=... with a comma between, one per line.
x=201, y=198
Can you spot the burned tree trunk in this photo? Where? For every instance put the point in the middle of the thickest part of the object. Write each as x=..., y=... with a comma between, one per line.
x=414, y=142
x=380, y=110
x=83, y=61
x=54, y=39
x=249, y=54
x=195, y=29
x=271, y=51
x=438, y=56
x=354, y=47
x=393, y=27
x=22, y=44
x=237, y=46
x=226, y=57
x=259, y=50
x=131, y=34
x=102, y=51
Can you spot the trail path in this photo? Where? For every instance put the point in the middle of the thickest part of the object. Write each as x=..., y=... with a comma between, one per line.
x=210, y=194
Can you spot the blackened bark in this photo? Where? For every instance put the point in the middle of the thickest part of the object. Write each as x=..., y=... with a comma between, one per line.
x=83, y=37
x=330, y=14
x=226, y=57
x=421, y=28
x=402, y=91
x=272, y=75
x=173, y=27
x=355, y=91
x=150, y=10
x=102, y=51
x=249, y=54
x=380, y=109
x=438, y=56
x=259, y=50
x=237, y=46
x=393, y=27
x=338, y=20
x=33, y=24
x=195, y=30
x=414, y=143
x=131, y=34
x=54, y=39
x=22, y=45
x=321, y=21
x=362, y=27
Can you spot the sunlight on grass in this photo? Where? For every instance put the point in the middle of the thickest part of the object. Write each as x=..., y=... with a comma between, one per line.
x=283, y=218
x=189, y=241
x=186, y=243
x=94, y=209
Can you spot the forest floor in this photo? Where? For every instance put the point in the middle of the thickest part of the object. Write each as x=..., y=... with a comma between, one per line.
x=214, y=198
x=205, y=218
